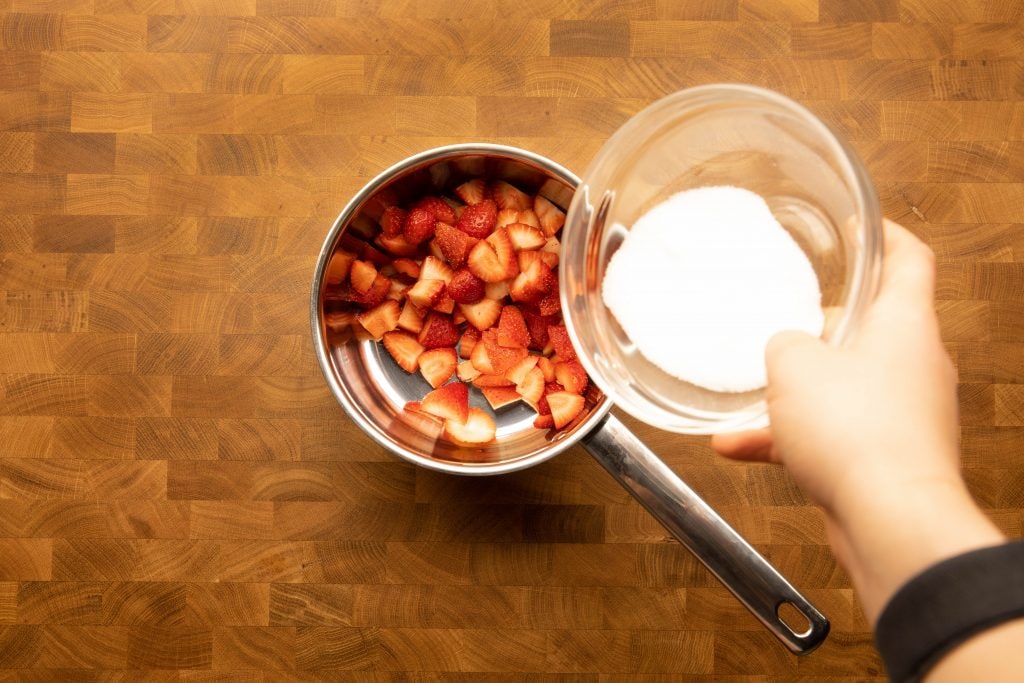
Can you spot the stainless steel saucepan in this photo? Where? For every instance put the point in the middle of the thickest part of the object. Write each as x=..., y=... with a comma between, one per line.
x=373, y=389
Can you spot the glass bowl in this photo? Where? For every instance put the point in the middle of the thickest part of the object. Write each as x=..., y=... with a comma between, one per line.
x=734, y=135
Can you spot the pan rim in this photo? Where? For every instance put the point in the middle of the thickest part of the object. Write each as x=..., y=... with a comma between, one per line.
x=334, y=382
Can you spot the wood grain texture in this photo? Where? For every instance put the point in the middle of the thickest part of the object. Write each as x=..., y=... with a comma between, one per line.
x=180, y=496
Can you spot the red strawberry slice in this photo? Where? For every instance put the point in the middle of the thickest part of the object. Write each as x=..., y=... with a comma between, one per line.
x=547, y=367
x=505, y=251
x=517, y=372
x=525, y=236
x=438, y=365
x=499, y=397
x=491, y=380
x=445, y=304
x=572, y=376
x=404, y=348
x=558, y=337
x=484, y=263
x=472, y=191
x=466, y=371
x=407, y=267
x=565, y=406
x=549, y=388
x=480, y=359
x=465, y=288
x=533, y=284
x=339, y=266
x=468, y=340
x=551, y=303
x=391, y=221
x=478, y=220
x=501, y=358
x=512, y=330
x=419, y=226
x=453, y=244
x=529, y=217
x=531, y=388
x=426, y=293
x=478, y=428
x=483, y=314
x=438, y=331
x=411, y=318
x=506, y=217
x=543, y=422
x=397, y=245
x=434, y=268
x=438, y=208
x=508, y=196
x=551, y=217
x=380, y=319
x=362, y=275
x=450, y=401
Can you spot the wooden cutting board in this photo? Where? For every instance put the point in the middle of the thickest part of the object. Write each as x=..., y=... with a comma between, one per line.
x=180, y=494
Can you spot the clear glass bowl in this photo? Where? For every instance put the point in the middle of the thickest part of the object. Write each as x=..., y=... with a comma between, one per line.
x=735, y=135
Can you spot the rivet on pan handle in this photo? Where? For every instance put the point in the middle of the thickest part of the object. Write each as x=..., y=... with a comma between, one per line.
x=750, y=577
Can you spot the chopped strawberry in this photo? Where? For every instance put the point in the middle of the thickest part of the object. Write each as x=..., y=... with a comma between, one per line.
x=525, y=236
x=496, y=290
x=411, y=318
x=481, y=359
x=508, y=196
x=551, y=217
x=438, y=208
x=547, y=367
x=505, y=251
x=397, y=291
x=565, y=406
x=517, y=372
x=339, y=266
x=549, y=388
x=551, y=303
x=502, y=358
x=419, y=225
x=380, y=319
x=572, y=376
x=426, y=293
x=453, y=244
x=438, y=365
x=372, y=297
x=458, y=317
x=397, y=245
x=526, y=259
x=450, y=401
x=362, y=276
x=407, y=267
x=478, y=220
x=550, y=258
x=533, y=284
x=491, y=380
x=559, y=339
x=506, y=217
x=529, y=217
x=543, y=422
x=438, y=331
x=404, y=348
x=531, y=388
x=468, y=340
x=434, y=268
x=445, y=304
x=483, y=262
x=512, y=330
x=483, y=314
x=465, y=288
x=478, y=428
x=472, y=191
x=391, y=221
x=499, y=397
x=364, y=250
x=466, y=371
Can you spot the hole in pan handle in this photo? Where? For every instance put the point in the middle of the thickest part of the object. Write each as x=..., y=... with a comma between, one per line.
x=740, y=568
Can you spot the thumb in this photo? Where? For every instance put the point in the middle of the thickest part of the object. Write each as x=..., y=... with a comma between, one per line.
x=792, y=356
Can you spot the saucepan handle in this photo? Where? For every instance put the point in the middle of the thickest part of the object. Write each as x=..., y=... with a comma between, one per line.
x=755, y=582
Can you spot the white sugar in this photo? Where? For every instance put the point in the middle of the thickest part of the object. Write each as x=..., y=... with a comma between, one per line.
x=704, y=280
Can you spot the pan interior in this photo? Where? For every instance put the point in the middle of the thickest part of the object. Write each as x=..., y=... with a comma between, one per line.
x=374, y=389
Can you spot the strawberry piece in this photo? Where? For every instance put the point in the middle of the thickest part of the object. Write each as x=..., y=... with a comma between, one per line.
x=466, y=371
x=508, y=196
x=499, y=397
x=445, y=304
x=533, y=284
x=565, y=406
x=458, y=317
x=496, y=290
x=551, y=303
x=438, y=365
x=517, y=372
x=547, y=367
x=438, y=208
x=501, y=358
x=481, y=359
x=397, y=291
x=558, y=337
x=450, y=401
x=364, y=250
x=491, y=380
x=465, y=288
x=469, y=339
x=551, y=217
x=374, y=296
x=526, y=259
x=506, y=217
x=380, y=319
x=543, y=422
x=434, y=268
x=483, y=262
x=404, y=348
x=407, y=267
x=478, y=428
x=529, y=217
x=472, y=191
x=525, y=236
x=572, y=376
x=505, y=251
x=418, y=226
x=438, y=331
x=512, y=330
x=339, y=266
x=549, y=388
x=550, y=258
x=362, y=276
x=426, y=293
x=531, y=388
x=397, y=245
x=391, y=221
x=483, y=314
x=411, y=318
x=478, y=220
x=453, y=244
